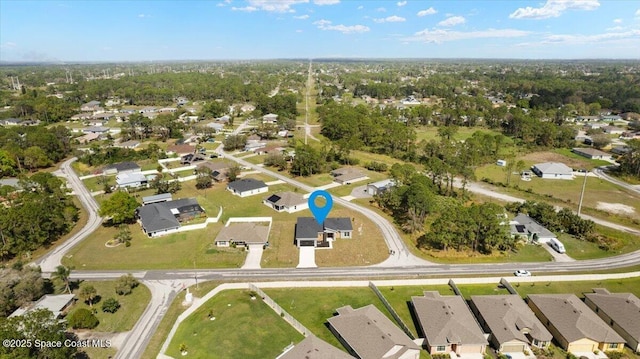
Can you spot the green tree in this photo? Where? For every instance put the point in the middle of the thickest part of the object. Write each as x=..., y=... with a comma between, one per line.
x=110, y=305
x=82, y=318
x=88, y=293
x=63, y=274
x=120, y=207
x=233, y=172
x=126, y=284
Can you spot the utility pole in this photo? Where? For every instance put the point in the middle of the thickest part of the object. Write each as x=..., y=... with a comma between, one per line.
x=584, y=185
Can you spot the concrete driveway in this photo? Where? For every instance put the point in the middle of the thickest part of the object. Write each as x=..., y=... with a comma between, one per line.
x=307, y=258
x=558, y=257
x=253, y=257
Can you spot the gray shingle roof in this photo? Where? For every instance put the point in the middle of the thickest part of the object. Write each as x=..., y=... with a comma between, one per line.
x=507, y=316
x=370, y=333
x=288, y=199
x=623, y=308
x=307, y=227
x=533, y=227
x=123, y=166
x=162, y=216
x=249, y=233
x=573, y=319
x=246, y=184
x=313, y=347
x=446, y=320
x=554, y=167
x=338, y=224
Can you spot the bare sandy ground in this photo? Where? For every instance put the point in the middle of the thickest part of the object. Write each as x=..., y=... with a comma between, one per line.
x=615, y=208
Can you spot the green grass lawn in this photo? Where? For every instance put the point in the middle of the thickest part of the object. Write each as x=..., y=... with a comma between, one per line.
x=315, y=180
x=243, y=328
x=587, y=162
x=631, y=285
x=256, y=160
x=313, y=306
x=131, y=306
x=93, y=184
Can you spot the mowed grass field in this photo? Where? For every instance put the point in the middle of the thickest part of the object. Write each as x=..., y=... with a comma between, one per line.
x=243, y=328
x=196, y=249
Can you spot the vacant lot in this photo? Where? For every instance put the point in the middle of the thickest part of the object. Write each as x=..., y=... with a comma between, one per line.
x=243, y=328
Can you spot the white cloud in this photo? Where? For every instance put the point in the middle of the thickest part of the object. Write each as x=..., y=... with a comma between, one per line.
x=615, y=28
x=326, y=2
x=393, y=18
x=381, y=9
x=301, y=17
x=590, y=39
x=8, y=45
x=617, y=21
x=143, y=15
x=452, y=21
x=298, y=31
x=271, y=5
x=429, y=11
x=444, y=35
x=554, y=8
x=637, y=12
x=352, y=29
x=401, y=3
x=360, y=7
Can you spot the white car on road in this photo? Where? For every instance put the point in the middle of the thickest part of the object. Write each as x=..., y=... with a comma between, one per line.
x=522, y=273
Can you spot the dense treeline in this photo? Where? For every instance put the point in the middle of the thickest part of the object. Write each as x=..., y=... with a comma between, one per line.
x=20, y=286
x=630, y=161
x=27, y=148
x=556, y=221
x=100, y=155
x=36, y=216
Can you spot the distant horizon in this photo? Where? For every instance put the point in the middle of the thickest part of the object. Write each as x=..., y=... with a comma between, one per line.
x=154, y=30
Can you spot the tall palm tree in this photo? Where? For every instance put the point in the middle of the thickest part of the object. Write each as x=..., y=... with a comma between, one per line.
x=63, y=273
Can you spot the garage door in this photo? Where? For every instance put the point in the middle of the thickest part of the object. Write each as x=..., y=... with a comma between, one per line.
x=513, y=348
x=584, y=348
x=308, y=243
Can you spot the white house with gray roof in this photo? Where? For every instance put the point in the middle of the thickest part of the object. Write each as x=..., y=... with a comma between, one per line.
x=513, y=326
x=448, y=325
x=247, y=187
x=576, y=328
x=620, y=310
x=286, y=202
x=553, y=170
x=368, y=334
x=309, y=233
x=526, y=227
x=157, y=219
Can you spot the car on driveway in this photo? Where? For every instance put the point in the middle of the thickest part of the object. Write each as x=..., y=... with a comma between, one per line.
x=522, y=273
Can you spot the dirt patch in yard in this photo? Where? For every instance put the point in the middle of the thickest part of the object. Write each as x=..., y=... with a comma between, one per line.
x=615, y=208
x=540, y=157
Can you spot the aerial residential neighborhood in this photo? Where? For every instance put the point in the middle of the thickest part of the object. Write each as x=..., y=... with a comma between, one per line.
x=320, y=179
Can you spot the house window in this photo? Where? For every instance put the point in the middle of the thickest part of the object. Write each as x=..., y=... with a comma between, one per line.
x=345, y=234
x=440, y=348
x=613, y=346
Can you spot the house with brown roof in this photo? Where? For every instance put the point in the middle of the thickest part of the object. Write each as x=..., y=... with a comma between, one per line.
x=348, y=175
x=286, y=202
x=447, y=324
x=243, y=234
x=180, y=150
x=512, y=324
x=369, y=334
x=574, y=326
x=313, y=347
x=218, y=170
x=620, y=310
x=592, y=153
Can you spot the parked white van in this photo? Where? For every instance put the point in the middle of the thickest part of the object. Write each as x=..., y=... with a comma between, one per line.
x=557, y=245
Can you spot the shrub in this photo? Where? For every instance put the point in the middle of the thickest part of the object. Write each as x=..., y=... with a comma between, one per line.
x=615, y=354
x=125, y=284
x=82, y=319
x=110, y=305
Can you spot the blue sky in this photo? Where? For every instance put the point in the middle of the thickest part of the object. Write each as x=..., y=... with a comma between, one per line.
x=58, y=30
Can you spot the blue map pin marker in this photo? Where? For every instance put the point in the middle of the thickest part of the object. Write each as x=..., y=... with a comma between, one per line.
x=320, y=213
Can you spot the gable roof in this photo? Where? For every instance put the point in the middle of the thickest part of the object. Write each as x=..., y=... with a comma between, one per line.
x=507, y=317
x=532, y=226
x=181, y=148
x=308, y=227
x=338, y=224
x=161, y=216
x=573, y=319
x=123, y=166
x=162, y=197
x=446, y=320
x=589, y=151
x=347, y=174
x=250, y=232
x=288, y=199
x=246, y=184
x=313, y=347
x=554, y=168
x=370, y=333
x=214, y=166
x=623, y=308
x=53, y=303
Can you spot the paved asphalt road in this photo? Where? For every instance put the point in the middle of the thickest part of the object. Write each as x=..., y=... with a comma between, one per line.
x=165, y=285
x=600, y=172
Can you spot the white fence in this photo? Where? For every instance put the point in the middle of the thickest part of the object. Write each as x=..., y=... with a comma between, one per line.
x=281, y=312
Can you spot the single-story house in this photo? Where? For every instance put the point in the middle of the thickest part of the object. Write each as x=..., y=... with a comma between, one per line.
x=368, y=334
x=553, y=170
x=96, y=129
x=90, y=106
x=286, y=201
x=225, y=119
x=161, y=218
x=621, y=150
x=574, y=326
x=380, y=186
x=121, y=167
x=217, y=127
x=243, y=234
x=162, y=197
x=313, y=347
x=10, y=122
x=527, y=228
x=513, y=326
x=613, y=130
x=219, y=170
x=131, y=180
x=620, y=310
x=270, y=118
x=610, y=118
x=129, y=144
x=87, y=138
x=592, y=153
x=180, y=150
x=348, y=175
x=95, y=121
x=447, y=324
x=57, y=304
x=253, y=139
x=247, y=187
x=309, y=233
